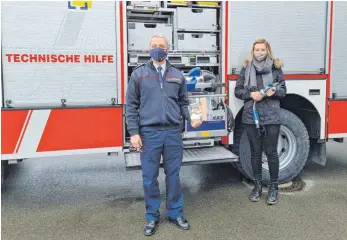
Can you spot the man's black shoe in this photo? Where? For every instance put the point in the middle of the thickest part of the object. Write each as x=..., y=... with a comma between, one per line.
x=150, y=228
x=181, y=223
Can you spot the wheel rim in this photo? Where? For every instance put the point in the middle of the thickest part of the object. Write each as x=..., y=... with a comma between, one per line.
x=286, y=149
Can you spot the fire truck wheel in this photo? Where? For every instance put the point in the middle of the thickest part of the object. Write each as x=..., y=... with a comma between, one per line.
x=293, y=149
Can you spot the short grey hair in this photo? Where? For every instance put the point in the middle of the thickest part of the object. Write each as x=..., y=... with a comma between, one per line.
x=160, y=36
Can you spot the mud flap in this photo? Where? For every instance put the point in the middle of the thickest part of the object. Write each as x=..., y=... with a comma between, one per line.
x=318, y=153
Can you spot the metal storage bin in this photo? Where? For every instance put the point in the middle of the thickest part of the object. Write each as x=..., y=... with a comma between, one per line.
x=197, y=42
x=196, y=19
x=139, y=34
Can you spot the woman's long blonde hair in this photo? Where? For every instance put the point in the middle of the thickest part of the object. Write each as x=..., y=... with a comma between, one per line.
x=277, y=62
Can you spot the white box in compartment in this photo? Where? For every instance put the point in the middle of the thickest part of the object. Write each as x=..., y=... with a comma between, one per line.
x=196, y=19
x=139, y=34
x=155, y=4
x=197, y=42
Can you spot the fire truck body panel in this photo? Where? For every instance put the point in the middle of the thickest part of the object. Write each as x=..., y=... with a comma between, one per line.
x=56, y=132
x=60, y=82
x=336, y=121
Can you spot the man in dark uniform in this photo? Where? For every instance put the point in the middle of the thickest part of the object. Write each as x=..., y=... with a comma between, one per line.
x=156, y=100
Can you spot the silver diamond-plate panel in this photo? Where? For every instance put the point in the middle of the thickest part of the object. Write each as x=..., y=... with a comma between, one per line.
x=207, y=154
x=189, y=155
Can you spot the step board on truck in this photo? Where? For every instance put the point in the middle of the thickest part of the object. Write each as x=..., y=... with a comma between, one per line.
x=192, y=156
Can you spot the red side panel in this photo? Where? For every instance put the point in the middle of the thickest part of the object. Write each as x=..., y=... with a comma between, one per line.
x=337, y=117
x=12, y=123
x=72, y=129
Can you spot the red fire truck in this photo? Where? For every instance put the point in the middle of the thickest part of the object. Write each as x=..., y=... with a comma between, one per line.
x=65, y=68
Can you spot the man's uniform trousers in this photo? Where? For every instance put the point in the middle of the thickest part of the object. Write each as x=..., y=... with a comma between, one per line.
x=168, y=143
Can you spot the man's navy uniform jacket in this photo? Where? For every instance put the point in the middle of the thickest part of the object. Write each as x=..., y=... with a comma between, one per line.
x=149, y=104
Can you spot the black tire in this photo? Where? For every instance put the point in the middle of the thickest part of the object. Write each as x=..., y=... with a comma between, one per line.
x=4, y=171
x=294, y=158
x=236, y=146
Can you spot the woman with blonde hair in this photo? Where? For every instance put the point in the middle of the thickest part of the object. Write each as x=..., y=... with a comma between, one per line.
x=258, y=71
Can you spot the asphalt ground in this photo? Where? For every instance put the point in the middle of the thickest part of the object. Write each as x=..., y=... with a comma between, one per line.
x=93, y=197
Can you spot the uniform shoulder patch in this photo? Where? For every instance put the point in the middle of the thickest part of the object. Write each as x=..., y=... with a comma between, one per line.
x=141, y=65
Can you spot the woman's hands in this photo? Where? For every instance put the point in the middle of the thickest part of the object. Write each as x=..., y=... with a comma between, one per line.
x=271, y=92
x=256, y=96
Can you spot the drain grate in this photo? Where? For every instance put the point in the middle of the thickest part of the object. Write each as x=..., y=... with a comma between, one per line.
x=298, y=184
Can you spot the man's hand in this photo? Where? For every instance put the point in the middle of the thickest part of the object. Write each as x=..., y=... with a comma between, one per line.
x=136, y=142
x=195, y=123
x=256, y=96
x=271, y=92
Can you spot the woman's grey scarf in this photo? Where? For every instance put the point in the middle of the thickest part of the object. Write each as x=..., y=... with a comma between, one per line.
x=264, y=67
